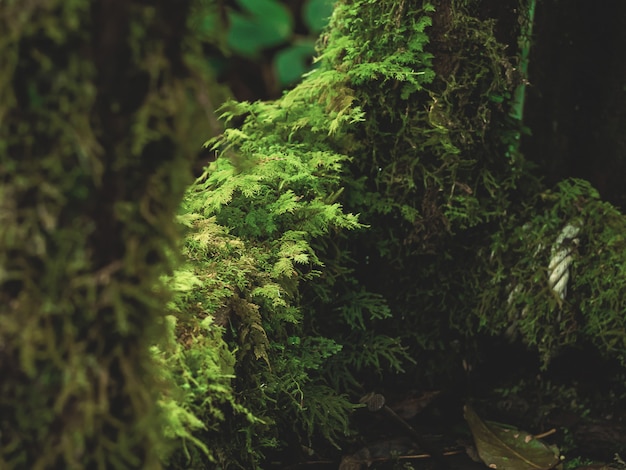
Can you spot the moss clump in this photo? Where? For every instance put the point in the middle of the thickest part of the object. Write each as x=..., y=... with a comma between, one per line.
x=276, y=196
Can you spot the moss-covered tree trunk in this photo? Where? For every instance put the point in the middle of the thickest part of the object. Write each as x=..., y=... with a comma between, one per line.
x=405, y=122
x=94, y=157
x=411, y=121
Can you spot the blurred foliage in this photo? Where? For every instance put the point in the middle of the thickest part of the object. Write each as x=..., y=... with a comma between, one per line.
x=263, y=24
x=264, y=45
x=100, y=105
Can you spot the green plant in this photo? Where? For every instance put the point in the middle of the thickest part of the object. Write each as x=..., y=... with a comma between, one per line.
x=251, y=223
x=406, y=122
x=266, y=34
x=94, y=159
x=281, y=262
x=521, y=297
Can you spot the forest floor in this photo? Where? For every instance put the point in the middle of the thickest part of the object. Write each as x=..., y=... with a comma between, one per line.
x=570, y=409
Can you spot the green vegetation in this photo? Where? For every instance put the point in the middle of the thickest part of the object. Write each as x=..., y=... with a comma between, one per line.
x=282, y=266
x=353, y=230
x=371, y=227
x=273, y=40
x=96, y=142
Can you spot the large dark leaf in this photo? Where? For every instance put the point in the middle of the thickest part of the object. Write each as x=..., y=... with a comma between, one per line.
x=293, y=61
x=264, y=23
x=507, y=448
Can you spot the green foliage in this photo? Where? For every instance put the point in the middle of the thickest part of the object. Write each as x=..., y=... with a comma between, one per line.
x=430, y=166
x=241, y=290
x=373, y=129
x=199, y=361
x=262, y=225
x=347, y=232
x=263, y=24
x=264, y=34
x=356, y=306
x=293, y=62
x=317, y=13
x=432, y=172
x=94, y=159
x=405, y=123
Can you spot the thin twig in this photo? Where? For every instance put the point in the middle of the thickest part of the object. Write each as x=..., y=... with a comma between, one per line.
x=545, y=434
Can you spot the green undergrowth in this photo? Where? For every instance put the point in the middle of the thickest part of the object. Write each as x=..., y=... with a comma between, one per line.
x=436, y=168
x=367, y=229
x=253, y=220
x=507, y=292
x=269, y=244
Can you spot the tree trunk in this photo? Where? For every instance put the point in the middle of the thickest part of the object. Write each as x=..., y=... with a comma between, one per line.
x=576, y=101
x=94, y=157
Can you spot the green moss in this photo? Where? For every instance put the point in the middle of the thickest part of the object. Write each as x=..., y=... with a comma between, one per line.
x=379, y=220
x=375, y=129
x=93, y=162
x=275, y=200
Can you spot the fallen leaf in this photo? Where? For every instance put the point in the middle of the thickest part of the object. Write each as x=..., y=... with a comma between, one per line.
x=507, y=448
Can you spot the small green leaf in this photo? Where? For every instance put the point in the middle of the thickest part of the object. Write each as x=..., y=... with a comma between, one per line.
x=508, y=448
x=291, y=63
x=266, y=23
x=316, y=14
